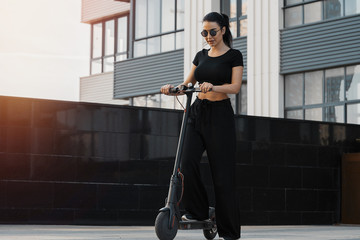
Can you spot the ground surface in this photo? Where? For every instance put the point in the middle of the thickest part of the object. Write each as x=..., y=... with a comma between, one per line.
x=60, y=232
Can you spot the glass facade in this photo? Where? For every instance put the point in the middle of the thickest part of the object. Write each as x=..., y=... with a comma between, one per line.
x=298, y=12
x=331, y=95
x=159, y=26
x=109, y=43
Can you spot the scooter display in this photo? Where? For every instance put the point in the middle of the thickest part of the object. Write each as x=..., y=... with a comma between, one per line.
x=169, y=221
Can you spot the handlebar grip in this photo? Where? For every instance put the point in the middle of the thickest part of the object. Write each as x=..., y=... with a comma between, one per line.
x=174, y=90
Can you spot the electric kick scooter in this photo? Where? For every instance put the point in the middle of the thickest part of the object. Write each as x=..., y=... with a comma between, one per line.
x=168, y=221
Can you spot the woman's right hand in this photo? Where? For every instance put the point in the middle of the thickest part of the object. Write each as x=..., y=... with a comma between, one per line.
x=166, y=89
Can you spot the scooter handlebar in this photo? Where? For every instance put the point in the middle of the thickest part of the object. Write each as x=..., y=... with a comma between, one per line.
x=174, y=90
x=184, y=89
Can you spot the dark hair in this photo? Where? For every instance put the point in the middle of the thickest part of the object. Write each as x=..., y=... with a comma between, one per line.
x=223, y=21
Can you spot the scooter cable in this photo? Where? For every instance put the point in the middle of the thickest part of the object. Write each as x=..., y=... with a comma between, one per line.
x=182, y=186
x=179, y=102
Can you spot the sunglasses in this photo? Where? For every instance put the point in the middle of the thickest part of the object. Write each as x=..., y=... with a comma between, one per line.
x=213, y=33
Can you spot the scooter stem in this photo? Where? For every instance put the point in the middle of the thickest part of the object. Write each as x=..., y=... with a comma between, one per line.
x=172, y=201
x=182, y=133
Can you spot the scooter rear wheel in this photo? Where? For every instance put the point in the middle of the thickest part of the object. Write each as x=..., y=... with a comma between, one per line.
x=162, y=226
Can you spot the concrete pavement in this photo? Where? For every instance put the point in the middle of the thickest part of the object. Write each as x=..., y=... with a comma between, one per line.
x=60, y=232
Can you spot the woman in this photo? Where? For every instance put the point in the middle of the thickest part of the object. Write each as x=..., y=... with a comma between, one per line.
x=211, y=127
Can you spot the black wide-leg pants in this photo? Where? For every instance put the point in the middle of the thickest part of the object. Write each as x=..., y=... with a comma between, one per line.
x=211, y=127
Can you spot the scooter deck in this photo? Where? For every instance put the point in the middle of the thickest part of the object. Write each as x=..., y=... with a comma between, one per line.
x=207, y=224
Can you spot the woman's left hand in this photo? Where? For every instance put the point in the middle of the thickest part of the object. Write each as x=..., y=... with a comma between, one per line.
x=206, y=87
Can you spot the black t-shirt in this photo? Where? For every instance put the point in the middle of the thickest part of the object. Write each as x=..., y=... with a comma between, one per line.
x=216, y=70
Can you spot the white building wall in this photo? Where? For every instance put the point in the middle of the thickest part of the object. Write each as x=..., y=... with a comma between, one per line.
x=265, y=84
x=193, y=41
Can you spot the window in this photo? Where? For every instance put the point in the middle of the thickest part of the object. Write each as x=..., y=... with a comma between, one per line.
x=293, y=88
x=334, y=85
x=293, y=16
x=352, y=88
x=241, y=107
x=331, y=95
x=96, y=61
x=334, y=114
x=312, y=12
x=122, y=39
x=353, y=113
x=333, y=8
x=237, y=12
x=159, y=26
x=294, y=114
x=352, y=7
x=109, y=44
x=313, y=87
x=298, y=12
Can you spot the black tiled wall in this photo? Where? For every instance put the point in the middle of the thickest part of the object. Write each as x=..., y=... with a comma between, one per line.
x=81, y=163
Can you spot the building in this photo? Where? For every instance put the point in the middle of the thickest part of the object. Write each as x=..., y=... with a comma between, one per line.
x=301, y=57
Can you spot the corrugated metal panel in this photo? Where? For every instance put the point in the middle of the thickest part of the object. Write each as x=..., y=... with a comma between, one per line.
x=94, y=10
x=323, y=45
x=241, y=44
x=145, y=75
x=98, y=88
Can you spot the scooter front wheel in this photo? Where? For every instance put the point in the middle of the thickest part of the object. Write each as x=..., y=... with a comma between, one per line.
x=162, y=226
x=210, y=233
